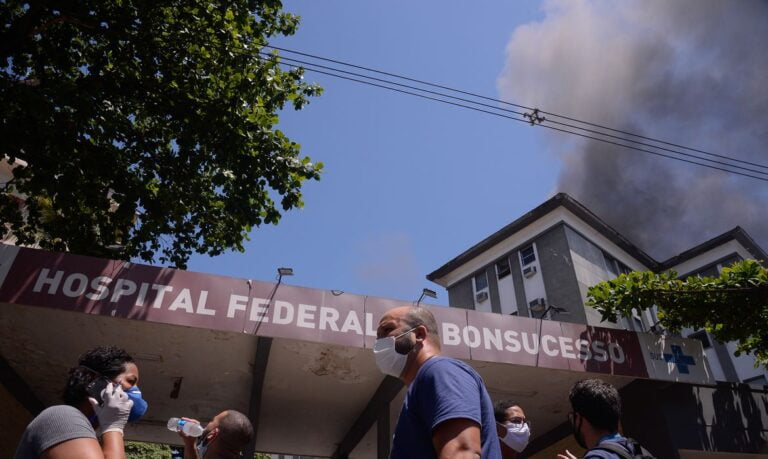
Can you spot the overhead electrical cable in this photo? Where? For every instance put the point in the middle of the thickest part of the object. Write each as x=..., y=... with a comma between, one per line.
x=710, y=166
x=587, y=123
x=591, y=131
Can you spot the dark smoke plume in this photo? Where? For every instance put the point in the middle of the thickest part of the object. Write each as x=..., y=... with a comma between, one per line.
x=693, y=72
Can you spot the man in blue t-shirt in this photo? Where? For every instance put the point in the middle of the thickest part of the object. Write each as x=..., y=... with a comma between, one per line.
x=594, y=420
x=447, y=412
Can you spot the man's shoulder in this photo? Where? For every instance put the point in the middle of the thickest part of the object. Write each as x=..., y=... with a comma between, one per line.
x=445, y=372
x=441, y=364
x=599, y=452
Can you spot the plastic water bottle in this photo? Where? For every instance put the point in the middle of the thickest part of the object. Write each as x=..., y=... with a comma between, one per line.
x=191, y=429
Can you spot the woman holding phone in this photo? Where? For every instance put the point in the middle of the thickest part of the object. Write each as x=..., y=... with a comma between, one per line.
x=101, y=392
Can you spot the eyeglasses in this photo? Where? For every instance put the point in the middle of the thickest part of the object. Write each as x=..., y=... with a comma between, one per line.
x=518, y=420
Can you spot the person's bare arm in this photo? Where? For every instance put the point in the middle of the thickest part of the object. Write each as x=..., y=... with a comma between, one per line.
x=77, y=448
x=457, y=438
x=113, y=445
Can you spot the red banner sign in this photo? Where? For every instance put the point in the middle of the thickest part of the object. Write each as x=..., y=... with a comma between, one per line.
x=119, y=289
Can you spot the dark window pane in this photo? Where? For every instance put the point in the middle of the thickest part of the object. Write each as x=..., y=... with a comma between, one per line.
x=702, y=336
x=528, y=255
x=481, y=281
x=610, y=263
x=502, y=268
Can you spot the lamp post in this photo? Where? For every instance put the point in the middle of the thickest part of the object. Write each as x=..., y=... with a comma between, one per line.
x=544, y=311
x=426, y=292
x=259, y=368
x=281, y=272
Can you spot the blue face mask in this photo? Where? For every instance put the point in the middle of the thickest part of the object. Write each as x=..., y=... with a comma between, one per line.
x=201, y=445
x=139, y=404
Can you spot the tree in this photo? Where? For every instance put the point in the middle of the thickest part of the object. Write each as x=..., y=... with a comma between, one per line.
x=732, y=307
x=147, y=125
x=142, y=450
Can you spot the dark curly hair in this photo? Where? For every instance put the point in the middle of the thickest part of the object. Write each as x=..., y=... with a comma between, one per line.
x=598, y=401
x=500, y=410
x=98, y=362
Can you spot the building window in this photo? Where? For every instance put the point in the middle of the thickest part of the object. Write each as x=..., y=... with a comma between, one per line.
x=728, y=262
x=481, y=282
x=702, y=336
x=623, y=269
x=528, y=255
x=502, y=268
x=610, y=263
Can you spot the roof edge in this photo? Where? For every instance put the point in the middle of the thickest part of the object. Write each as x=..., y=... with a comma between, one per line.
x=560, y=199
x=738, y=234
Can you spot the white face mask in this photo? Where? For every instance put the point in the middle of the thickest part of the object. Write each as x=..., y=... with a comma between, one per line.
x=389, y=361
x=517, y=436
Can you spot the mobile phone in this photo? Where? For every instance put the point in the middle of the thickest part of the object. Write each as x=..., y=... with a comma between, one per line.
x=95, y=387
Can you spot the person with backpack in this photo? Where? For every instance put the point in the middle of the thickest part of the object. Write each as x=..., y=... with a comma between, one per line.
x=596, y=409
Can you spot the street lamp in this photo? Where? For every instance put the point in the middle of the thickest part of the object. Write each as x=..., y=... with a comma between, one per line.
x=283, y=272
x=280, y=273
x=544, y=311
x=539, y=307
x=426, y=292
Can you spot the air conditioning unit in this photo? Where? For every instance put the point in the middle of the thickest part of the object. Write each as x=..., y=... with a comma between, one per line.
x=481, y=296
x=529, y=271
x=539, y=304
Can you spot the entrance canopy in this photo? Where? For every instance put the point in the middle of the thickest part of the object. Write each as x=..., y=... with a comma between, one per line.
x=298, y=361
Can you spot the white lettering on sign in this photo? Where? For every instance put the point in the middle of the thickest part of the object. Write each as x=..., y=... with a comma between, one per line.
x=513, y=341
x=328, y=318
x=510, y=336
x=450, y=334
x=123, y=287
x=159, y=294
x=259, y=309
x=566, y=347
x=306, y=316
x=352, y=323
x=100, y=287
x=283, y=314
x=312, y=316
x=52, y=282
x=74, y=285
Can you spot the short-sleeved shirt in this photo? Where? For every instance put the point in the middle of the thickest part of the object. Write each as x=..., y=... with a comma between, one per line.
x=52, y=426
x=603, y=454
x=443, y=389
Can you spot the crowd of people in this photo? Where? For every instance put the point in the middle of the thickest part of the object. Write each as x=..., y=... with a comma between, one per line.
x=447, y=411
x=101, y=395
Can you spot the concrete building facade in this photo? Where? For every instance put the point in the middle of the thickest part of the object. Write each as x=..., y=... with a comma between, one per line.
x=553, y=254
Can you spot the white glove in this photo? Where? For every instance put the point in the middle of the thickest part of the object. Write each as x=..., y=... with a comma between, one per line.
x=113, y=413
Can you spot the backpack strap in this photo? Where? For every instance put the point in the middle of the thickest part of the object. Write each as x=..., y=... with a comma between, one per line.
x=612, y=447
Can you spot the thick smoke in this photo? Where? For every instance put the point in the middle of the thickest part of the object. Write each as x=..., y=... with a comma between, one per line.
x=693, y=72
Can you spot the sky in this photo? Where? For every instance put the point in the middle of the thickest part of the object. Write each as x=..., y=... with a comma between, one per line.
x=407, y=183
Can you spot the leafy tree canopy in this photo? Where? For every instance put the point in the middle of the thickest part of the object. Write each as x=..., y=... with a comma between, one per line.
x=142, y=450
x=147, y=124
x=732, y=307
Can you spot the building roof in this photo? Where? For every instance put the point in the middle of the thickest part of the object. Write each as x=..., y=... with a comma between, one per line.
x=738, y=234
x=560, y=199
x=581, y=211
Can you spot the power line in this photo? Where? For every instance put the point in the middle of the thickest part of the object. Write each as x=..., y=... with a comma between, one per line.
x=527, y=122
x=369, y=69
x=591, y=131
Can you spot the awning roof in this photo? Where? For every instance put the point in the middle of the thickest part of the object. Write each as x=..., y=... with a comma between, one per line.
x=319, y=373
